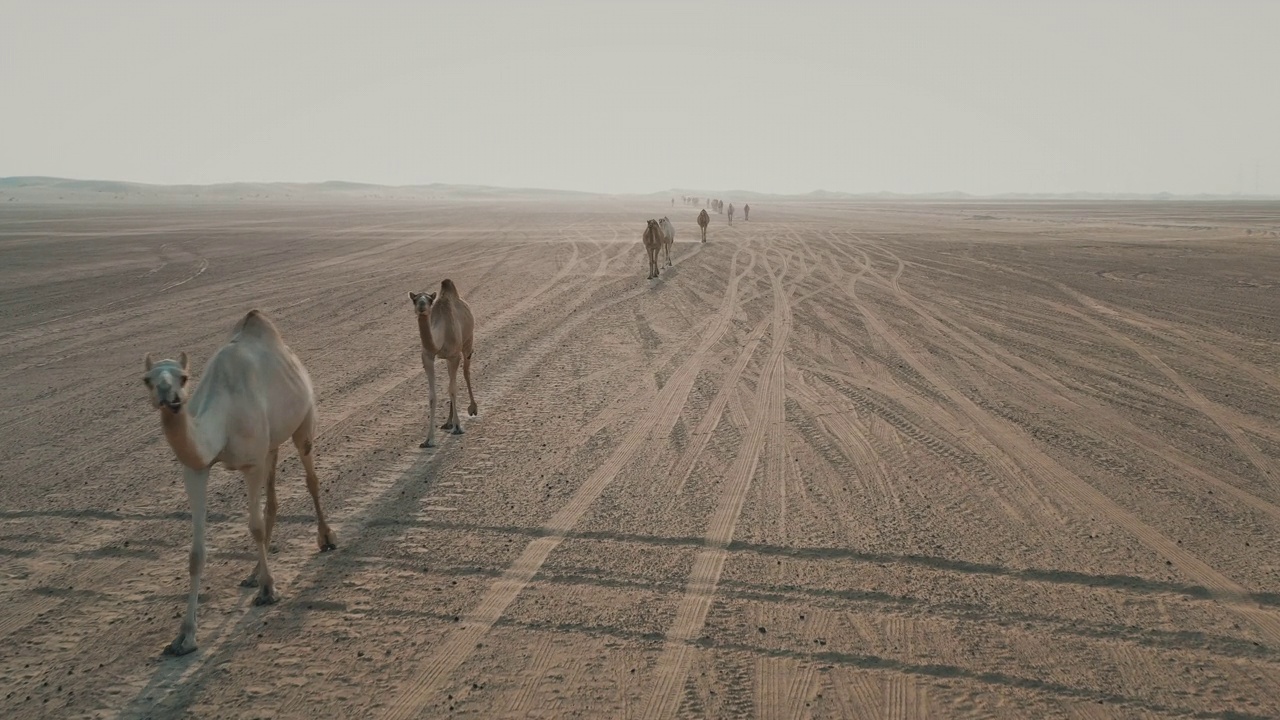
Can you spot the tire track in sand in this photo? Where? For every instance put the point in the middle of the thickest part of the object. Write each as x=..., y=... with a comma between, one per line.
x=1202, y=404
x=434, y=672
x=691, y=614
x=707, y=425
x=1104, y=417
x=1039, y=465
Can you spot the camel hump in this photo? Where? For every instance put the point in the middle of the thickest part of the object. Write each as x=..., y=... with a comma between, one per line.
x=256, y=324
x=448, y=289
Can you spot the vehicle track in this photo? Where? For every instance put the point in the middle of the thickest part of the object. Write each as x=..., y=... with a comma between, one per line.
x=1068, y=486
x=673, y=665
x=434, y=672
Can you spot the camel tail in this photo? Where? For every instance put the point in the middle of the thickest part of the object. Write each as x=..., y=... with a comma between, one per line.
x=256, y=324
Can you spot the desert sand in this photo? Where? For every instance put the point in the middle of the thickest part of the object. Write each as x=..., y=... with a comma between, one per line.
x=901, y=460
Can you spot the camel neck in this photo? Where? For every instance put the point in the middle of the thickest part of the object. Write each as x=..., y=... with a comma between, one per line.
x=424, y=330
x=179, y=431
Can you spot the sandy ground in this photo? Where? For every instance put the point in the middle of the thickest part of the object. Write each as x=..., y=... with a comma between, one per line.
x=845, y=460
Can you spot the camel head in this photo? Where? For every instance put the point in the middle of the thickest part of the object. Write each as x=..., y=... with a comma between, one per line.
x=166, y=380
x=422, y=301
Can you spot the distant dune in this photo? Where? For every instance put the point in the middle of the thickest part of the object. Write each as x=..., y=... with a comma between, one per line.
x=52, y=190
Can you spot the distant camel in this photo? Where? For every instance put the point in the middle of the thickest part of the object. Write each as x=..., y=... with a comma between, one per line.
x=730, y=213
x=447, y=330
x=254, y=395
x=668, y=236
x=703, y=221
x=746, y=213
x=653, y=239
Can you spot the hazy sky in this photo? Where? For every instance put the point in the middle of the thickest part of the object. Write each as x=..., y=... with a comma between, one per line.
x=643, y=96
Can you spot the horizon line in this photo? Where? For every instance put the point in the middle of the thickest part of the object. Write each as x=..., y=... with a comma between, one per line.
x=18, y=181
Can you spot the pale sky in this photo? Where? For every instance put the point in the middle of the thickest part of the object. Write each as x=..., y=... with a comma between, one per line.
x=984, y=97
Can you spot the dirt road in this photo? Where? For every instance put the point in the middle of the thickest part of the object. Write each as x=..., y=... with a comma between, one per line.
x=844, y=460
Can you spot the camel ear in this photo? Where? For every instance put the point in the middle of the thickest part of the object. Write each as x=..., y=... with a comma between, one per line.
x=413, y=297
x=182, y=360
x=148, y=361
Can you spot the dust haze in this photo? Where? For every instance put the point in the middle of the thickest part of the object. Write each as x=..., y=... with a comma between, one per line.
x=981, y=97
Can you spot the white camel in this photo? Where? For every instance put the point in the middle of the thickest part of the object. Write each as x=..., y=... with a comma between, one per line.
x=447, y=330
x=668, y=236
x=653, y=239
x=255, y=394
x=703, y=221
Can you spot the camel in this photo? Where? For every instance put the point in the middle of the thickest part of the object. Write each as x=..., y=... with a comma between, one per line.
x=730, y=213
x=703, y=221
x=653, y=240
x=668, y=236
x=447, y=330
x=255, y=394
x=746, y=213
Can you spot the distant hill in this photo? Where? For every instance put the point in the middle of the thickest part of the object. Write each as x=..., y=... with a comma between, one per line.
x=53, y=189
x=954, y=195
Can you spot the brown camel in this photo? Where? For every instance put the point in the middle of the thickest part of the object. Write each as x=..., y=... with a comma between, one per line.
x=447, y=330
x=653, y=240
x=703, y=221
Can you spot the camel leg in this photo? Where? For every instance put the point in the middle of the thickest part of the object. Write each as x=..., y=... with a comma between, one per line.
x=256, y=479
x=472, y=410
x=303, y=439
x=454, y=420
x=272, y=507
x=667, y=248
x=449, y=417
x=430, y=367
x=196, y=481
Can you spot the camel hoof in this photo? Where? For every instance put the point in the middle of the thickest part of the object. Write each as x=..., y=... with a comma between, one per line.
x=473, y=410
x=181, y=645
x=426, y=443
x=457, y=430
x=447, y=426
x=327, y=540
x=267, y=596
x=251, y=581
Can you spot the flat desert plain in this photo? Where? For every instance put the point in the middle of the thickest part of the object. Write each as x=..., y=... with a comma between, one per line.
x=845, y=460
